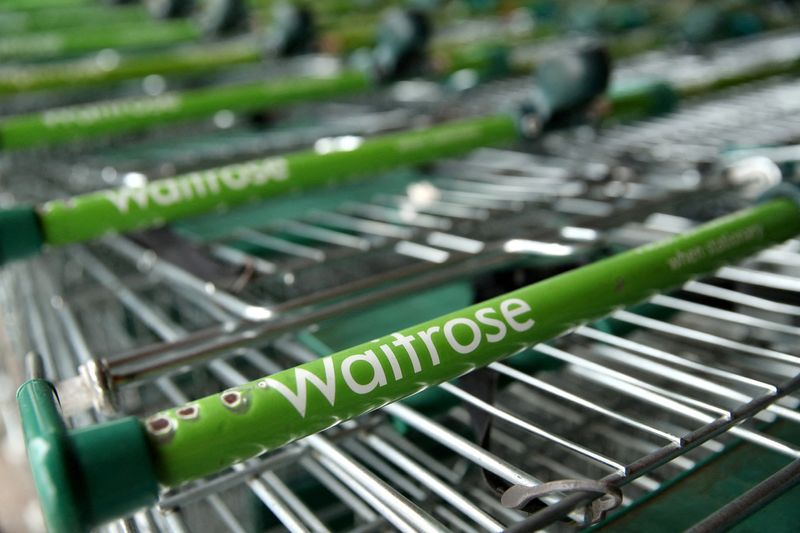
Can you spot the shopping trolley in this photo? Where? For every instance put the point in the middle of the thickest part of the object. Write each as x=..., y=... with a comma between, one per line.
x=357, y=461
x=644, y=400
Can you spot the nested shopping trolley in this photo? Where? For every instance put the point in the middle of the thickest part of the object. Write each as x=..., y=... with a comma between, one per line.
x=525, y=336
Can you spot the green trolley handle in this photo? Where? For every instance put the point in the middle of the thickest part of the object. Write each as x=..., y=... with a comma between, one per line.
x=26, y=5
x=292, y=31
x=399, y=51
x=81, y=28
x=202, y=437
x=75, y=41
x=86, y=16
x=85, y=72
x=402, y=39
x=116, y=117
x=563, y=85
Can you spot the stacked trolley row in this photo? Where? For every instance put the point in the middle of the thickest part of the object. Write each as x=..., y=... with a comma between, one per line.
x=620, y=416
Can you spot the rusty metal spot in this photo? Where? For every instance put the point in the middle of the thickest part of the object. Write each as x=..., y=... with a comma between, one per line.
x=234, y=400
x=189, y=412
x=161, y=426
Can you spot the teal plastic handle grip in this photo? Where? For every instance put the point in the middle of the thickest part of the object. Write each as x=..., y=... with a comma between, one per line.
x=20, y=233
x=88, y=476
x=219, y=430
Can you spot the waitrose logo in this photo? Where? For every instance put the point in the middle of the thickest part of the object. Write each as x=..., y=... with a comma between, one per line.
x=215, y=182
x=87, y=115
x=404, y=356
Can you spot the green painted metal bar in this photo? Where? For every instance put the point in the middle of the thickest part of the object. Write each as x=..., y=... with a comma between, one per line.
x=339, y=35
x=115, y=117
x=90, y=71
x=74, y=41
x=396, y=46
x=119, y=116
x=222, y=429
x=654, y=96
x=25, y=230
x=24, y=5
x=212, y=433
x=565, y=85
x=86, y=16
x=761, y=72
x=188, y=59
x=76, y=219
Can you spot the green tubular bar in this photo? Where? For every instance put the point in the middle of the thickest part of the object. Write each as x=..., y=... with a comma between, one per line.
x=115, y=117
x=75, y=41
x=119, y=116
x=212, y=433
x=25, y=5
x=225, y=428
x=87, y=72
x=338, y=35
x=197, y=58
x=344, y=36
x=126, y=115
x=560, y=86
x=161, y=201
x=92, y=215
x=654, y=96
x=71, y=16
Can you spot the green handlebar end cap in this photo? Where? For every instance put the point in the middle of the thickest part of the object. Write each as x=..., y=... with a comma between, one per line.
x=20, y=233
x=88, y=476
